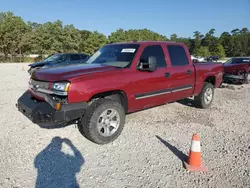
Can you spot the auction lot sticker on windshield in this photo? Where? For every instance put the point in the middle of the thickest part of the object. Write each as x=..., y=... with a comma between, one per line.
x=128, y=50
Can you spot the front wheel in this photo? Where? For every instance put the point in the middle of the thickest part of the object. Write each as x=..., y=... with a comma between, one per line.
x=205, y=98
x=103, y=121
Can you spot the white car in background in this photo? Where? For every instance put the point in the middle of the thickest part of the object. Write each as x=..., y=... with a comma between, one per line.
x=198, y=58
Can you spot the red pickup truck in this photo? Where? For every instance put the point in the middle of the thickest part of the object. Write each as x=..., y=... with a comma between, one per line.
x=118, y=79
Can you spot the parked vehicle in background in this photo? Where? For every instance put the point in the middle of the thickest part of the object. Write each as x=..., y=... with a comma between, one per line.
x=192, y=57
x=60, y=59
x=236, y=70
x=213, y=58
x=200, y=59
x=197, y=58
x=118, y=79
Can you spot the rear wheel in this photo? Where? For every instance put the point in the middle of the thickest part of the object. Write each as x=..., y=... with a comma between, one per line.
x=205, y=98
x=103, y=121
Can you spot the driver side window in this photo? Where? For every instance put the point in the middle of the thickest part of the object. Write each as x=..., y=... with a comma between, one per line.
x=157, y=52
x=62, y=58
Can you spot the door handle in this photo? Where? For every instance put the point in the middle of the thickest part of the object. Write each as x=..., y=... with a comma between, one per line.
x=167, y=74
x=188, y=71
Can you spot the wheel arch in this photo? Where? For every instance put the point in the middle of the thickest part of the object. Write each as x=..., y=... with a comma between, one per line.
x=116, y=95
x=211, y=79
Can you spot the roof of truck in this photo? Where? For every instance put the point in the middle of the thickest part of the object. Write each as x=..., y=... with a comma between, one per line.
x=149, y=42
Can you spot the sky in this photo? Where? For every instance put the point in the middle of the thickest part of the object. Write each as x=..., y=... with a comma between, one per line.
x=166, y=17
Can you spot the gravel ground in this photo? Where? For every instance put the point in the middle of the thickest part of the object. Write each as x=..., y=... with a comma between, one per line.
x=147, y=154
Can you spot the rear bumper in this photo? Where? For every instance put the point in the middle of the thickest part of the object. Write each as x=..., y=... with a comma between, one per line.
x=42, y=112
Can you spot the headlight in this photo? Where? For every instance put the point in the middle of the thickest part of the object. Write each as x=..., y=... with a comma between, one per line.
x=61, y=88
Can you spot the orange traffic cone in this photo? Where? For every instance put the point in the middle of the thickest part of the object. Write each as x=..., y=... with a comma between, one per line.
x=194, y=161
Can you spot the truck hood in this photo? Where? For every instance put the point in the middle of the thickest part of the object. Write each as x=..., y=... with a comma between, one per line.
x=40, y=64
x=68, y=72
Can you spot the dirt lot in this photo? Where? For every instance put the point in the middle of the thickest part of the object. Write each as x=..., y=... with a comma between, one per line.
x=147, y=154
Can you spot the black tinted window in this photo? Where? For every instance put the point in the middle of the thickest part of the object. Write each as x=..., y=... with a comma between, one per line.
x=155, y=51
x=177, y=55
x=83, y=56
x=74, y=57
x=240, y=60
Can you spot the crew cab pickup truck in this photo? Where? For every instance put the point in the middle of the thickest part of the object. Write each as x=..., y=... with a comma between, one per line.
x=118, y=79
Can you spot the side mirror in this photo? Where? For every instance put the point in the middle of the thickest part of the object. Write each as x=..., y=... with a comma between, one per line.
x=150, y=65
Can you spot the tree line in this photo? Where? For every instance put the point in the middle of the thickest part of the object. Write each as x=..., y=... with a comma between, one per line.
x=21, y=38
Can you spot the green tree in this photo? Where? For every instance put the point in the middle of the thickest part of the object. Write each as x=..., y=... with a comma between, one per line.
x=94, y=42
x=48, y=38
x=235, y=32
x=210, y=41
x=186, y=41
x=18, y=37
x=33, y=25
x=135, y=35
x=71, y=39
x=219, y=51
x=174, y=37
x=202, y=51
x=248, y=51
x=226, y=41
x=244, y=40
x=84, y=36
x=12, y=30
x=196, y=42
x=118, y=36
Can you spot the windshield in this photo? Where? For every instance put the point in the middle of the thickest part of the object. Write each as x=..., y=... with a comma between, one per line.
x=57, y=58
x=118, y=55
x=238, y=60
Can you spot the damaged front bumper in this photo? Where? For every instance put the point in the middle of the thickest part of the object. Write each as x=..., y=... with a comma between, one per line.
x=234, y=77
x=44, y=111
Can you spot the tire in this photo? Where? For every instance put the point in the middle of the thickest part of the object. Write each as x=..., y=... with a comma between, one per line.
x=88, y=126
x=200, y=100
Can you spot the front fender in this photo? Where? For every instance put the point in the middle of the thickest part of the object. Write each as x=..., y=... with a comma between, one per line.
x=83, y=92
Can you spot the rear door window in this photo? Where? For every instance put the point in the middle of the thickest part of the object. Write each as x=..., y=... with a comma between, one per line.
x=177, y=55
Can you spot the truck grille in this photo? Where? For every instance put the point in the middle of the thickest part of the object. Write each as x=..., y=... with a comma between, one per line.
x=44, y=85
